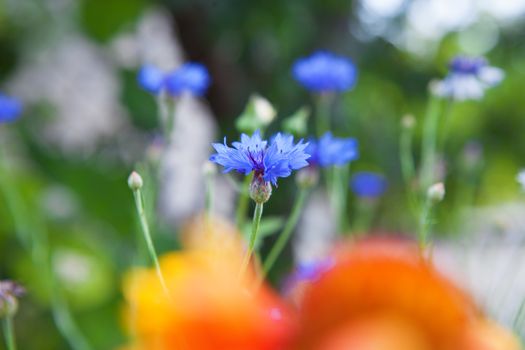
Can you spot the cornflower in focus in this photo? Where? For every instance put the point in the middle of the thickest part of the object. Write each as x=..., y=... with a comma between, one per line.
x=330, y=151
x=325, y=72
x=10, y=109
x=468, y=79
x=268, y=163
x=367, y=184
x=190, y=77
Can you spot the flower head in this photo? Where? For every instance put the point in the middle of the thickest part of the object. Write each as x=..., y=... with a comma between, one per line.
x=10, y=108
x=268, y=160
x=151, y=78
x=9, y=293
x=190, y=77
x=380, y=294
x=325, y=72
x=468, y=79
x=368, y=184
x=330, y=150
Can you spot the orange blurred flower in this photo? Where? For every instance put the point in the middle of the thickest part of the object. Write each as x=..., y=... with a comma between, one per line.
x=382, y=295
x=209, y=306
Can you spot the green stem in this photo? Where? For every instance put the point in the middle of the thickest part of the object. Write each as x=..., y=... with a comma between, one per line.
x=209, y=195
x=405, y=155
x=9, y=333
x=428, y=151
x=257, y=215
x=139, y=204
x=244, y=201
x=425, y=224
x=339, y=195
x=286, y=233
x=32, y=233
x=323, y=104
x=166, y=106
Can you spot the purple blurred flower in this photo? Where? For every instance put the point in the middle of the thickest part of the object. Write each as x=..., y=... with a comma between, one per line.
x=330, y=150
x=10, y=108
x=368, y=184
x=253, y=154
x=468, y=79
x=325, y=72
x=190, y=77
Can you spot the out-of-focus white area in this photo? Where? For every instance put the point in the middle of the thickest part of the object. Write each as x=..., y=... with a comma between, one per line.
x=419, y=25
x=490, y=261
x=316, y=230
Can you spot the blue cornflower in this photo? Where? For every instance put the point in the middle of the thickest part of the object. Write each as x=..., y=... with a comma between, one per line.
x=368, y=184
x=151, y=78
x=10, y=108
x=325, y=72
x=468, y=79
x=330, y=150
x=190, y=77
x=268, y=160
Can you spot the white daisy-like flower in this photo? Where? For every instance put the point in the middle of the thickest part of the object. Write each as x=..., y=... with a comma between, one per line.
x=468, y=79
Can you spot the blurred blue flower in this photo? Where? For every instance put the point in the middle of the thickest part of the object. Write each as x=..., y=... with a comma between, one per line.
x=368, y=184
x=330, y=150
x=151, y=78
x=10, y=108
x=190, y=77
x=325, y=72
x=308, y=272
x=468, y=79
x=253, y=154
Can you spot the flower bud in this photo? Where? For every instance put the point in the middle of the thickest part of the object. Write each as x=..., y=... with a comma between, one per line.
x=436, y=192
x=209, y=168
x=260, y=190
x=135, y=181
x=307, y=177
x=264, y=110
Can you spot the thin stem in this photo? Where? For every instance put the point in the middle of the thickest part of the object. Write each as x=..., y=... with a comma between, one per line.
x=9, y=333
x=430, y=130
x=425, y=224
x=32, y=233
x=139, y=204
x=339, y=195
x=209, y=195
x=405, y=155
x=323, y=104
x=286, y=233
x=257, y=215
x=166, y=106
x=244, y=201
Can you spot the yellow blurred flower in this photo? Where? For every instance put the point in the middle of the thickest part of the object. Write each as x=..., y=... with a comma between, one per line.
x=209, y=306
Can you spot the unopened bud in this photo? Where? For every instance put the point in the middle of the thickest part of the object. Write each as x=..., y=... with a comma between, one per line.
x=436, y=192
x=307, y=177
x=260, y=190
x=408, y=121
x=263, y=109
x=209, y=168
x=135, y=181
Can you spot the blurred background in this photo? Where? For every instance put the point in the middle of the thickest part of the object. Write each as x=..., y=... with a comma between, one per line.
x=86, y=122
